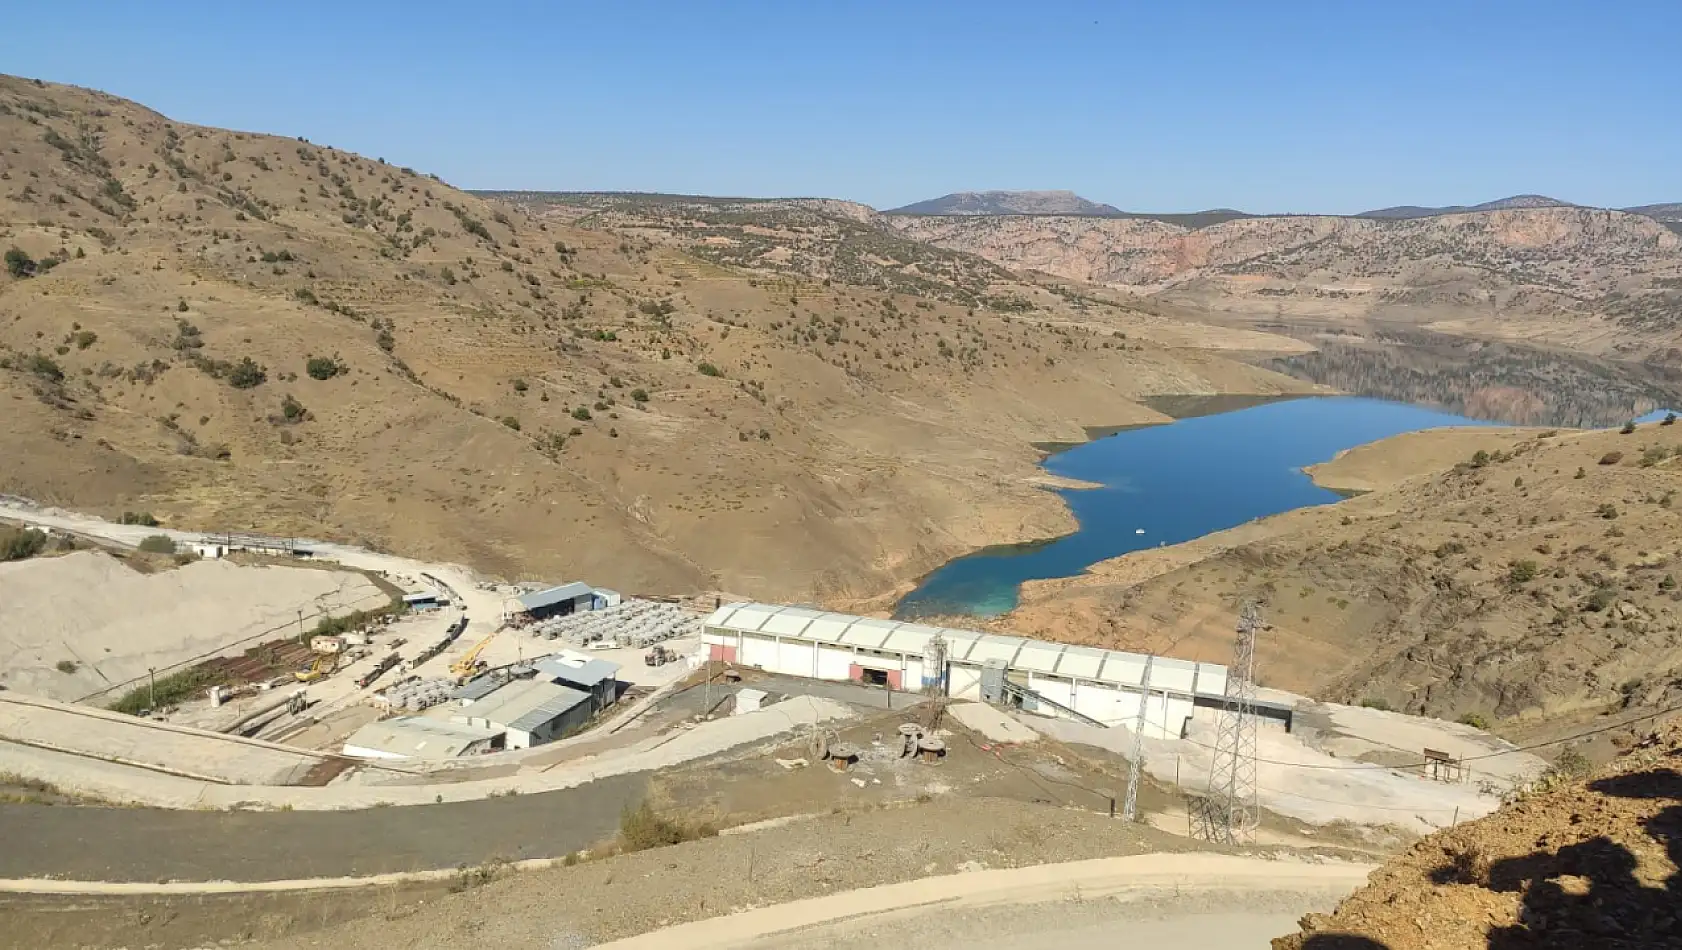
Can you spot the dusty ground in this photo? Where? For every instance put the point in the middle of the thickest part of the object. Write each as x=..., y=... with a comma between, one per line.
x=1533, y=582
x=1589, y=863
x=86, y=622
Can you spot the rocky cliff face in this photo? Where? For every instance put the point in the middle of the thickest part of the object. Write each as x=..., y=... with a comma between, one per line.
x=1554, y=269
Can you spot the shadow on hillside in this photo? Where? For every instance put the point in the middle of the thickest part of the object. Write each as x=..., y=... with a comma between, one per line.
x=1582, y=895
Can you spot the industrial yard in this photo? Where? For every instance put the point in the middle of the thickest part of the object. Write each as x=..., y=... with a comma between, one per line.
x=482, y=705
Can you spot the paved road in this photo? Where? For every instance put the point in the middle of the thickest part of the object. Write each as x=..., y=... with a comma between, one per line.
x=129, y=844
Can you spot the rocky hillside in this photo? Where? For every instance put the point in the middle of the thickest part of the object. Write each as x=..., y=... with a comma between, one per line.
x=1009, y=202
x=1515, y=576
x=1574, y=863
x=1501, y=204
x=1595, y=280
x=233, y=330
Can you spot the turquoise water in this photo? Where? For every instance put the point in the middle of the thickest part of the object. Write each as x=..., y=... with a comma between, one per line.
x=1174, y=482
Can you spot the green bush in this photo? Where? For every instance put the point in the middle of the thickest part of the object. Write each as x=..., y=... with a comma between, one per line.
x=246, y=374
x=1480, y=458
x=19, y=264
x=16, y=544
x=292, y=411
x=1607, y=510
x=708, y=369
x=1627, y=429
x=67, y=667
x=1601, y=599
x=1522, y=572
x=171, y=689
x=1611, y=458
x=1376, y=702
x=1475, y=720
x=44, y=367
x=521, y=385
x=581, y=414
x=157, y=544
x=511, y=423
x=85, y=339
x=1669, y=419
x=138, y=517
x=1571, y=764
x=322, y=367
x=639, y=395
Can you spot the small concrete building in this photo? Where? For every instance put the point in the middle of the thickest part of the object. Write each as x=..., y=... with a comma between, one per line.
x=598, y=677
x=417, y=737
x=1105, y=687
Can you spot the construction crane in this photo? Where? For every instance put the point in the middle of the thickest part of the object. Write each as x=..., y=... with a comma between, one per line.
x=469, y=662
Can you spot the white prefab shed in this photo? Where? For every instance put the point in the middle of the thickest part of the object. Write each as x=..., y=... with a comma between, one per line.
x=1053, y=678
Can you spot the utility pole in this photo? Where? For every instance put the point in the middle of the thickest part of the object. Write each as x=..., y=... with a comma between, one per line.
x=152, y=674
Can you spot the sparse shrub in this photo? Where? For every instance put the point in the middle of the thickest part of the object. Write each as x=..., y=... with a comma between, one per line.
x=642, y=828
x=1581, y=472
x=511, y=423
x=520, y=386
x=1611, y=458
x=639, y=395
x=1571, y=764
x=1669, y=419
x=1450, y=547
x=181, y=306
x=17, y=544
x=1607, y=510
x=138, y=517
x=19, y=264
x=157, y=544
x=84, y=339
x=1376, y=702
x=1627, y=429
x=613, y=433
x=1480, y=458
x=1668, y=582
x=246, y=374
x=44, y=367
x=1475, y=720
x=1653, y=455
x=322, y=367
x=581, y=414
x=67, y=667
x=292, y=411
x=1522, y=572
x=708, y=369
x=1602, y=598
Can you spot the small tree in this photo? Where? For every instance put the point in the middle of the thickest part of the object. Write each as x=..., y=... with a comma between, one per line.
x=322, y=367
x=1480, y=458
x=1669, y=419
x=19, y=264
x=157, y=544
x=1627, y=429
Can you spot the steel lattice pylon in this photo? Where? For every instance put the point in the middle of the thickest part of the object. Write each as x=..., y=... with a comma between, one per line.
x=1232, y=808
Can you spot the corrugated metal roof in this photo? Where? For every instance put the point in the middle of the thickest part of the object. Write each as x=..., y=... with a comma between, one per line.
x=973, y=647
x=554, y=595
x=526, y=704
x=420, y=738
x=577, y=669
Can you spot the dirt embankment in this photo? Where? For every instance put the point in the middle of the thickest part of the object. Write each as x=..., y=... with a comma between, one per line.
x=1591, y=863
x=1524, y=575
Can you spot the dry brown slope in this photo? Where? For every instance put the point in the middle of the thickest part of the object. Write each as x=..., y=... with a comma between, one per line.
x=840, y=440
x=1593, y=863
x=1531, y=582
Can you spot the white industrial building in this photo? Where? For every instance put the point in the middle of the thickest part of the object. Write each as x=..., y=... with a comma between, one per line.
x=1102, y=686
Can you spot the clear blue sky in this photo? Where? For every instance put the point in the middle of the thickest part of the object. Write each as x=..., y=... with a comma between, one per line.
x=1162, y=106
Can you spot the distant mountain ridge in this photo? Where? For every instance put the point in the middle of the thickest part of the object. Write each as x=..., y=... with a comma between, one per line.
x=1009, y=202
x=1067, y=203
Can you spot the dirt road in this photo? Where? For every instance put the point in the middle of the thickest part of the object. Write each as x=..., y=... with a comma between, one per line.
x=1188, y=898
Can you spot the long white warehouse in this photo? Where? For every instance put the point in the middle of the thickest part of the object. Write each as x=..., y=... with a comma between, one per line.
x=1104, y=686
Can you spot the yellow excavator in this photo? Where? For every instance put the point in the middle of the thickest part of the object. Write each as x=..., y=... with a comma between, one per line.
x=324, y=664
x=469, y=663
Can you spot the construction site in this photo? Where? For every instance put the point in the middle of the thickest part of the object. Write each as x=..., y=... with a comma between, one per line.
x=422, y=684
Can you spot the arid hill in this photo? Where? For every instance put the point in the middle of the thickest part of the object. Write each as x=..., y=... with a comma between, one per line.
x=1574, y=863
x=1008, y=202
x=233, y=330
x=1599, y=281
x=1521, y=577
